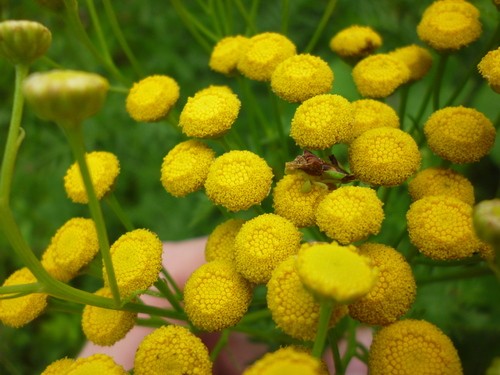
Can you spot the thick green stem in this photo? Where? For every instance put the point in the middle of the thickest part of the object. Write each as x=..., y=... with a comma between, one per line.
x=325, y=312
x=20, y=289
x=439, y=79
x=167, y=293
x=221, y=343
x=330, y=7
x=119, y=212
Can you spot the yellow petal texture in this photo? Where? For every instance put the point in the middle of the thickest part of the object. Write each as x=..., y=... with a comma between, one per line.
x=355, y=41
x=416, y=58
x=489, y=67
x=227, y=52
x=61, y=366
x=95, y=364
x=220, y=243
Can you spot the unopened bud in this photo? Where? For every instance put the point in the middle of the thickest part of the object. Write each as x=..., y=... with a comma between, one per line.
x=487, y=221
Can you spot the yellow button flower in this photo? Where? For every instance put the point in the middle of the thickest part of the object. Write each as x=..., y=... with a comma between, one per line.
x=220, y=243
x=238, y=180
x=301, y=77
x=227, y=52
x=459, y=134
x=350, y=213
x=384, y=156
x=489, y=67
x=416, y=58
x=393, y=293
x=96, y=364
x=410, y=347
x=262, y=244
x=185, y=167
x=61, y=366
x=174, y=349
x=265, y=51
x=321, y=122
x=355, y=42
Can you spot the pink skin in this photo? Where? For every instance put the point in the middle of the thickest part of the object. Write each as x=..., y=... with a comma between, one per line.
x=181, y=259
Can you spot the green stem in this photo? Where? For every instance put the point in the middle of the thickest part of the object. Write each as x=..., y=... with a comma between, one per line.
x=221, y=343
x=403, y=103
x=443, y=58
x=337, y=360
x=279, y=125
x=220, y=9
x=325, y=313
x=352, y=343
x=455, y=275
x=172, y=283
x=250, y=24
x=152, y=322
x=255, y=316
x=100, y=35
x=20, y=288
x=285, y=12
x=167, y=293
x=423, y=106
x=119, y=212
x=330, y=7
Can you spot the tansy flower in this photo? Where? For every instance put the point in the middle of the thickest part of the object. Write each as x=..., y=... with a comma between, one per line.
x=441, y=181
x=355, y=42
x=185, y=168
x=210, y=113
x=459, y=134
x=265, y=51
x=227, y=52
x=95, y=364
x=321, y=122
x=174, y=349
x=350, y=214
x=378, y=76
x=288, y=360
x=19, y=311
x=291, y=202
x=384, y=156
x=216, y=296
x=136, y=257
x=104, y=167
x=410, y=347
x=416, y=58
x=489, y=67
x=394, y=290
x=262, y=243
x=220, y=243
x=293, y=308
x=105, y=327
x=335, y=272
x=461, y=6
x=441, y=227
x=61, y=366
x=301, y=77
x=151, y=99
x=72, y=247
x=238, y=180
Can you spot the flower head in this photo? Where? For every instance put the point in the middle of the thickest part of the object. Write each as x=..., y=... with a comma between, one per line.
x=185, y=167
x=413, y=347
x=95, y=364
x=417, y=59
x=152, y=98
x=355, y=42
x=220, y=243
x=22, y=42
x=227, y=52
x=238, y=180
x=384, y=156
x=489, y=67
x=459, y=134
x=61, y=366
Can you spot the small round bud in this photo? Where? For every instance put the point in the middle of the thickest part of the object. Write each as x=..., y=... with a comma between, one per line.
x=486, y=218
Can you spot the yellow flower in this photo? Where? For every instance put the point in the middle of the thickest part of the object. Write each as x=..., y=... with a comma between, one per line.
x=322, y=121
x=19, y=311
x=174, y=349
x=355, y=41
x=441, y=227
x=185, y=167
x=227, y=52
x=410, y=347
x=61, y=366
x=136, y=257
x=95, y=364
x=210, y=113
x=22, y=42
x=393, y=293
x=238, y=180
x=463, y=7
x=265, y=51
x=417, y=59
x=301, y=77
x=288, y=360
x=489, y=67
x=384, y=156
x=459, y=134
x=335, y=272
x=104, y=168
x=220, y=243
x=216, y=296
x=378, y=76
x=293, y=308
x=350, y=214
x=105, y=327
x=441, y=181
x=262, y=243
x=72, y=247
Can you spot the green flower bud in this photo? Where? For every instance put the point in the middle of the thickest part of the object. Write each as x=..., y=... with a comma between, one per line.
x=487, y=221
x=66, y=97
x=22, y=42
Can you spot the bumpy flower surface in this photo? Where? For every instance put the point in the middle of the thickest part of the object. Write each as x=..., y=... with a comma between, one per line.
x=378, y=76
x=104, y=168
x=293, y=307
x=410, y=347
x=355, y=41
x=220, y=243
x=441, y=181
x=489, y=67
x=238, y=180
x=459, y=134
x=61, y=366
x=22, y=42
x=301, y=77
x=227, y=52
x=174, y=350
x=350, y=213
x=216, y=296
x=265, y=51
x=17, y=312
x=96, y=364
x=151, y=99
x=394, y=291
x=416, y=58
x=262, y=244
x=136, y=257
x=322, y=121
x=335, y=272
x=441, y=227
x=384, y=156
x=461, y=6
x=105, y=327
x=185, y=167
